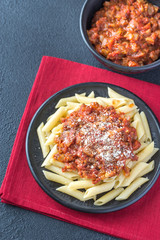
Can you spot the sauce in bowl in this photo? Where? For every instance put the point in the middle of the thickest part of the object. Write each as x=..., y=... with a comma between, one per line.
x=127, y=32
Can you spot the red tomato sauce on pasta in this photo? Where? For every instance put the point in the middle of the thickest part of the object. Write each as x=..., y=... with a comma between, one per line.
x=127, y=32
x=96, y=141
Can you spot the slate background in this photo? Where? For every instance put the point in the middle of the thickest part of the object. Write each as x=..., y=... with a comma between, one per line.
x=29, y=30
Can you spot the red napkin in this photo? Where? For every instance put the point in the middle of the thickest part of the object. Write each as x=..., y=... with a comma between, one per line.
x=138, y=221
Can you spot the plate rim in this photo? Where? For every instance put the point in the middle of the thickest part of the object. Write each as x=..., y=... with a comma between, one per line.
x=69, y=205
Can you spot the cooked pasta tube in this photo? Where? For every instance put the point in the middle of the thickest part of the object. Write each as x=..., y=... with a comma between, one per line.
x=148, y=169
x=139, y=128
x=42, y=140
x=56, y=178
x=104, y=187
x=129, y=164
x=50, y=117
x=55, y=131
x=143, y=145
x=54, y=119
x=49, y=157
x=146, y=127
x=108, y=197
x=91, y=95
x=127, y=108
x=51, y=146
x=114, y=94
x=63, y=101
x=56, y=163
x=47, y=136
x=147, y=153
x=81, y=184
x=134, y=124
x=73, y=105
x=70, y=175
x=119, y=180
x=131, y=188
x=87, y=100
x=115, y=102
x=139, y=167
x=109, y=179
x=74, y=193
x=131, y=114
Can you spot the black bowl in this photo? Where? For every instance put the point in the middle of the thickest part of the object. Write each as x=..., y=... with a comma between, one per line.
x=88, y=10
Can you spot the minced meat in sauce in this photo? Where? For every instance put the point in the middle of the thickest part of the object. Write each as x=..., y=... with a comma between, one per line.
x=96, y=141
x=127, y=32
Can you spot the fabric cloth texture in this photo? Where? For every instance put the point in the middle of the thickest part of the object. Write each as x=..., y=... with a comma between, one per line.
x=138, y=221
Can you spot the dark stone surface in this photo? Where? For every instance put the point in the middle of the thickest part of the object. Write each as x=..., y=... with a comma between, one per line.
x=29, y=30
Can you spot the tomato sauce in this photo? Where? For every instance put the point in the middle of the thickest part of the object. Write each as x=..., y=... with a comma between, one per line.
x=96, y=141
x=127, y=32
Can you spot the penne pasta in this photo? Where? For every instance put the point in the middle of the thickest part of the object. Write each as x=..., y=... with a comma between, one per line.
x=49, y=145
x=87, y=100
x=129, y=164
x=140, y=128
x=131, y=114
x=146, y=127
x=108, y=197
x=105, y=187
x=148, y=169
x=147, y=153
x=91, y=95
x=73, y=105
x=114, y=94
x=63, y=101
x=56, y=163
x=143, y=145
x=49, y=157
x=132, y=188
x=81, y=184
x=54, y=119
x=134, y=123
x=127, y=108
x=115, y=102
x=42, y=140
x=56, y=178
x=119, y=180
x=109, y=179
x=139, y=167
x=69, y=175
x=55, y=132
x=74, y=193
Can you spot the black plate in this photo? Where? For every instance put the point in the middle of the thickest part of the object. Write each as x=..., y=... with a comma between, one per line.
x=35, y=158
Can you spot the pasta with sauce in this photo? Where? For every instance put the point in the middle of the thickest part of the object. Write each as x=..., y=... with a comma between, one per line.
x=97, y=148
